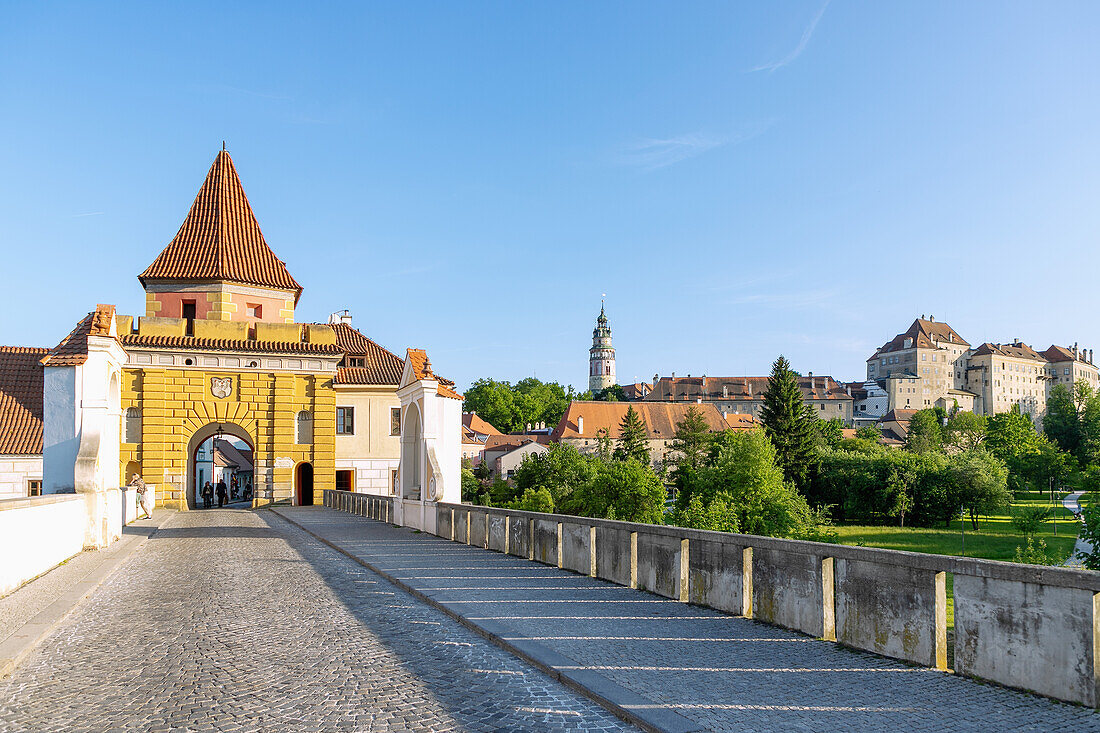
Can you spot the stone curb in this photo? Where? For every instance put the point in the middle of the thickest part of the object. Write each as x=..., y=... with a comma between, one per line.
x=15, y=648
x=620, y=701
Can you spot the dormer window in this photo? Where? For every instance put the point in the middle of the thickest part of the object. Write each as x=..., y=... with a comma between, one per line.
x=356, y=361
x=189, y=316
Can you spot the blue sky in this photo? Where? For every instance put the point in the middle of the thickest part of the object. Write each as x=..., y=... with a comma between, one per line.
x=742, y=180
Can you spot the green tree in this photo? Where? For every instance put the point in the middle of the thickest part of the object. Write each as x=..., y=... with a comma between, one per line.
x=633, y=441
x=788, y=423
x=1061, y=423
x=626, y=490
x=925, y=432
x=746, y=482
x=511, y=408
x=1035, y=554
x=981, y=482
x=1028, y=519
x=1090, y=532
x=717, y=515
x=830, y=432
x=614, y=393
x=690, y=446
x=559, y=470
x=494, y=402
x=868, y=432
x=471, y=487
x=534, y=500
x=964, y=431
x=1009, y=434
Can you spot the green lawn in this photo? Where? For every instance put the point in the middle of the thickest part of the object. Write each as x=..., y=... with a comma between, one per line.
x=995, y=539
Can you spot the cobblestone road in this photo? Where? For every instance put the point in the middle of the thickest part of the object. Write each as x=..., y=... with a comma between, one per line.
x=234, y=620
x=725, y=673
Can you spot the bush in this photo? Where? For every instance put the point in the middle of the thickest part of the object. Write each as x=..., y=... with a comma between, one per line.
x=534, y=500
x=626, y=490
x=1029, y=519
x=718, y=515
x=1035, y=554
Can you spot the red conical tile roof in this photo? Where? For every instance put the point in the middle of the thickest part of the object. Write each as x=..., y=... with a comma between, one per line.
x=220, y=239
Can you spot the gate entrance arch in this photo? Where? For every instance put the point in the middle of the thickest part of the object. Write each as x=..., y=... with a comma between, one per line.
x=303, y=484
x=197, y=469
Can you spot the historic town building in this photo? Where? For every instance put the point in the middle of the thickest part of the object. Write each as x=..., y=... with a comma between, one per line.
x=219, y=355
x=745, y=395
x=601, y=357
x=931, y=365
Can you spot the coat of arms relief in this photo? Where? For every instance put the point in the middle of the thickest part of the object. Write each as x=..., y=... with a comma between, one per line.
x=221, y=387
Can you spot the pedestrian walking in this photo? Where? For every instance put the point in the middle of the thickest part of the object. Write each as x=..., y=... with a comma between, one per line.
x=144, y=495
x=223, y=494
x=207, y=495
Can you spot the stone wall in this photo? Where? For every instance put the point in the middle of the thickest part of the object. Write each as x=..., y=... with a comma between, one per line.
x=1030, y=627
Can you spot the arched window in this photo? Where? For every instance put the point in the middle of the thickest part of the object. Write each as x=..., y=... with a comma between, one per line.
x=131, y=426
x=305, y=427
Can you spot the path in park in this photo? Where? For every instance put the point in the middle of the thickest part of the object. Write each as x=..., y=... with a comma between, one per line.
x=1072, y=502
x=234, y=620
x=721, y=672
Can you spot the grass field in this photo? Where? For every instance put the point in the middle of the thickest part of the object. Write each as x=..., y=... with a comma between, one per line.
x=995, y=539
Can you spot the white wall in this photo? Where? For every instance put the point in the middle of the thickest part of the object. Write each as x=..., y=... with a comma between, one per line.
x=15, y=472
x=38, y=533
x=60, y=429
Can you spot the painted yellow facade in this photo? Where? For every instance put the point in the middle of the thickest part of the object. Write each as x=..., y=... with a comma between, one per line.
x=176, y=405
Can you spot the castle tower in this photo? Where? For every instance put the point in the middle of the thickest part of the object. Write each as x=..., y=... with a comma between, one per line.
x=601, y=357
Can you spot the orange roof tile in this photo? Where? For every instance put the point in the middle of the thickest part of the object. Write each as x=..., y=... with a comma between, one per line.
x=192, y=343
x=73, y=349
x=422, y=369
x=21, y=400
x=660, y=418
x=380, y=366
x=478, y=424
x=220, y=239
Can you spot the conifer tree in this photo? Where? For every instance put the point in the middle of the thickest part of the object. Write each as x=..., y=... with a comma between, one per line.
x=788, y=423
x=632, y=438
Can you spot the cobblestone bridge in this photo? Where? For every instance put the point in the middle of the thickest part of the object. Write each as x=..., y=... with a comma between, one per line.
x=241, y=621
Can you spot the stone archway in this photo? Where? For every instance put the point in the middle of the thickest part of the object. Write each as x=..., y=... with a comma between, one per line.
x=411, y=472
x=197, y=439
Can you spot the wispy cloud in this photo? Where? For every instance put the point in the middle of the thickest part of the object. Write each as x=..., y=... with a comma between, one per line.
x=653, y=153
x=802, y=43
x=90, y=213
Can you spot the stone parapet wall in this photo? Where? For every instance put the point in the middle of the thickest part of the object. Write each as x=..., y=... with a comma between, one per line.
x=1031, y=627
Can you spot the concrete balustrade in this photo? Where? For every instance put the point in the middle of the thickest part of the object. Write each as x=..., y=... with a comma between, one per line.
x=1031, y=627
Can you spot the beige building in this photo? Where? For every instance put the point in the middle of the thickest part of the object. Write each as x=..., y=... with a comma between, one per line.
x=925, y=366
x=584, y=422
x=368, y=412
x=745, y=395
x=931, y=365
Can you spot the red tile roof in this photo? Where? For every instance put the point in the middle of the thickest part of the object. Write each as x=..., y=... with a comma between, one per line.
x=422, y=369
x=21, y=400
x=380, y=366
x=478, y=425
x=221, y=240
x=660, y=418
x=1018, y=350
x=73, y=349
x=507, y=443
x=924, y=334
x=731, y=389
x=192, y=343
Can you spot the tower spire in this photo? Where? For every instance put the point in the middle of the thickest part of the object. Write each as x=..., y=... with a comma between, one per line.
x=601, y=357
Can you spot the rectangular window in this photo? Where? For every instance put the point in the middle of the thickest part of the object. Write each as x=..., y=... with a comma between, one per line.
x=345, y=421
x=356, y=361
x=189, y=316
x=254, y=310
x=345, y=480
x=395, y=421
x=34, y=488
x=1065, y=370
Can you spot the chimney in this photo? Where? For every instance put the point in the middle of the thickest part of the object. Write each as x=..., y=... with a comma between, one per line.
x=656, y=378
x=931, y=319
x=580, y=424
x=343, y=316
x=674, y=376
